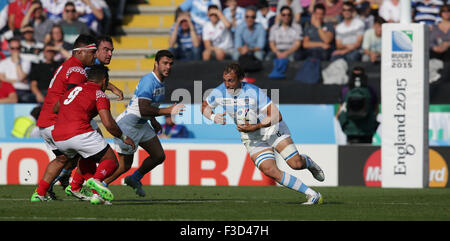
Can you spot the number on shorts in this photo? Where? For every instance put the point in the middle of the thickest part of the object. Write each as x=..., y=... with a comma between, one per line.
x=72, y=95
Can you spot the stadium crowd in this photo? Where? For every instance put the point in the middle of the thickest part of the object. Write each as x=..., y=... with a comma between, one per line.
x=298, y=29
x=38, y=35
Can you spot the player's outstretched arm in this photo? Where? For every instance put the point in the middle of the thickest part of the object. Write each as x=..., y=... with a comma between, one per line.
x=115, y=90
x=208, y=113
x=147, y=110
x=112, y=127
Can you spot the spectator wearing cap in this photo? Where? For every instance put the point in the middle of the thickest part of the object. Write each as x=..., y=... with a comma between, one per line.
x=250, y=37
x=30, y=48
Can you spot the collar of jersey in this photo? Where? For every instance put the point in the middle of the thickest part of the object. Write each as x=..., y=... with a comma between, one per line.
x=157, y=77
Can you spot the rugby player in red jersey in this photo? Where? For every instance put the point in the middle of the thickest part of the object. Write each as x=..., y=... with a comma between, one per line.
x=74, y=136
x=70, y=74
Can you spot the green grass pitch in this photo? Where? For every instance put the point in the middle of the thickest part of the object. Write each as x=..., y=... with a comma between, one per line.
x=220, y=203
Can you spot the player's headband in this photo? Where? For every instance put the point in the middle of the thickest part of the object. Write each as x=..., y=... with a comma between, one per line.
x=87, y=47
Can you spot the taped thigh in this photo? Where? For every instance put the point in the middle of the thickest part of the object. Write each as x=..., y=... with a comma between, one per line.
x=288, y=152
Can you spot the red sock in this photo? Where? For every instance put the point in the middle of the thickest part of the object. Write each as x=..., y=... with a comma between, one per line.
x=77, y=181
x=87, y=176
x=43, y=187
x=105, y=169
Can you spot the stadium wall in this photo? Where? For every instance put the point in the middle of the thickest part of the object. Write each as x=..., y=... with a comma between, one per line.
x=227, y=164
x=215, y=155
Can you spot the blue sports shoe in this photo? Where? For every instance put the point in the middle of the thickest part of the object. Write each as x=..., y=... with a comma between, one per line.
x=136, y=185
x=315, y=170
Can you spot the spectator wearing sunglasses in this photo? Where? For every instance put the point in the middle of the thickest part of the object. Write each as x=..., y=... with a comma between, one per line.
x=349, y=35
x=285, y=38
x=250, y=37
x=294, y=5
x=71, y=26
x=15, y=69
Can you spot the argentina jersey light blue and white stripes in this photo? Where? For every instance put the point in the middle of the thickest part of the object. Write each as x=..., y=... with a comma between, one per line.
x=249, y=103
x=150, y=88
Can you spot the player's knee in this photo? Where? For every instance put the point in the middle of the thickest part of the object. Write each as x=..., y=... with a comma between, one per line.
x=270, y=171
x=159, y=159
x=62, y=160
x=125, y=167
x=297, y=162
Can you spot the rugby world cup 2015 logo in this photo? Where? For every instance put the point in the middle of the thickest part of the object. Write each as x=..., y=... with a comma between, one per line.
x=402, y=41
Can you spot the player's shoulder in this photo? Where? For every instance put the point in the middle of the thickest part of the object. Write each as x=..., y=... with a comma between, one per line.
x=73, y=65
x=149, y=80
x=94, y=90
x=250, y=87
x=219, y=89
x=99, y=94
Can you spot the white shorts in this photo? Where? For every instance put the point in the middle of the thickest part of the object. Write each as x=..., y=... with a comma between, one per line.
x=86, y=144
x=46, y=134
x=137, y=132
x=267, y=138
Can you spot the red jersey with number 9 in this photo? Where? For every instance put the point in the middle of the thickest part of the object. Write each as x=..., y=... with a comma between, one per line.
x=77, y=108
x=70, y=72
